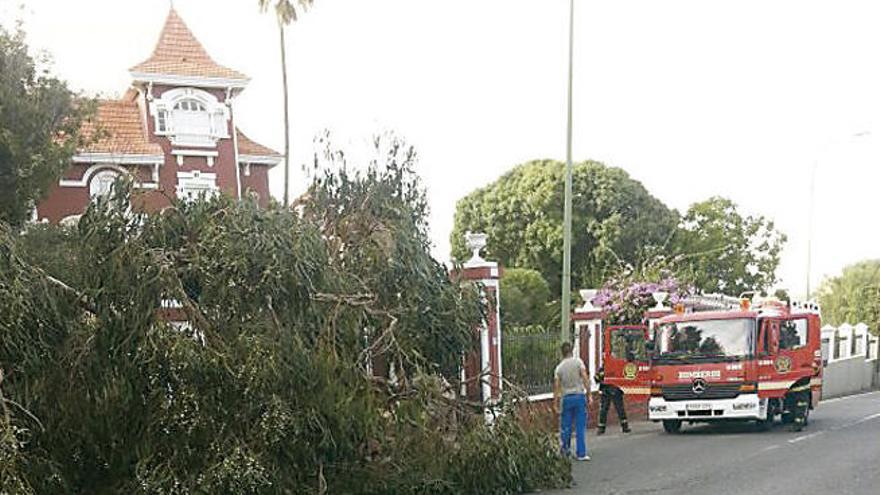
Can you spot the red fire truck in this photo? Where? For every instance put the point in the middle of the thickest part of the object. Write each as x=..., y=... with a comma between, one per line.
x=750, y=363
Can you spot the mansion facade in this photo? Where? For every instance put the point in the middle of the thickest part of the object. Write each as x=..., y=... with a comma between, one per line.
x=173, y=133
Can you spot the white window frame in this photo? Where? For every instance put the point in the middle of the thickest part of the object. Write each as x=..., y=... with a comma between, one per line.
x=163, y=112
x=162, y=121
x=112, y=163
x=195, y=184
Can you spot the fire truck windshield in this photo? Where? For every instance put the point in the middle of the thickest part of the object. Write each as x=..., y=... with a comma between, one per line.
x=708, y=340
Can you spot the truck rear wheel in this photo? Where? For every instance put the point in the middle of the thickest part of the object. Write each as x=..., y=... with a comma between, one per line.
x=672, y=426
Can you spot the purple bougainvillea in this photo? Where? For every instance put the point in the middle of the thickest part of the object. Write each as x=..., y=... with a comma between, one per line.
x=626, y=299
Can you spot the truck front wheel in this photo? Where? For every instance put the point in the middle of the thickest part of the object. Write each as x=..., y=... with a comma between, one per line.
x=672, y=425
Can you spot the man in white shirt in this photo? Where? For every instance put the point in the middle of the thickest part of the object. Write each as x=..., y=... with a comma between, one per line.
x=570, y=394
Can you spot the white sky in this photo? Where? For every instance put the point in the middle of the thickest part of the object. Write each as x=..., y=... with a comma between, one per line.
x=692, y=97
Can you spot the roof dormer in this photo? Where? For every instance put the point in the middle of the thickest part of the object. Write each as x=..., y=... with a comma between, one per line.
x=190, y=117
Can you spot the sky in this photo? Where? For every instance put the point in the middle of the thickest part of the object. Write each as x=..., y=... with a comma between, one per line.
x=694, y=98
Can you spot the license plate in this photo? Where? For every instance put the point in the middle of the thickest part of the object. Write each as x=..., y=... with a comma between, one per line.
x=701, y=406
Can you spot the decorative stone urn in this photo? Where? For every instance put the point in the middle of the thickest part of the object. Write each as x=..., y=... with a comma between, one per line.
x=660, y=298
x=587, y=295
x=475, y=242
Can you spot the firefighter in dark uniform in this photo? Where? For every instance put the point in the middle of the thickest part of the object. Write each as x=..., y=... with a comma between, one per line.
x=797, y=405
x=609, y=393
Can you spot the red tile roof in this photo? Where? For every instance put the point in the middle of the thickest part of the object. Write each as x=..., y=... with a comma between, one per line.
x=119, y=128
x=246, y=146
x=179, y=53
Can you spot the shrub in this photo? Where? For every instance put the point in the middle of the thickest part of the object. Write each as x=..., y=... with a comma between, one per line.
x=625, y=299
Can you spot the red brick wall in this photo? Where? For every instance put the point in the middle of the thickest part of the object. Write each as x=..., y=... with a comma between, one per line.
x=75, y=172
x=62, y=202
x=636, y=410
x=257, y=182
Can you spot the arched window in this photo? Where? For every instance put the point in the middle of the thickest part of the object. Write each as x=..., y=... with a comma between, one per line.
x=102, y=183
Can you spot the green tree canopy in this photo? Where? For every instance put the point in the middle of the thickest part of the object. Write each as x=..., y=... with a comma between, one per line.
x=40, y=120
x=853, y=296
x=614, y=218
x=719, y=250
x=524, y=298
x=266, y=388
x=618, y=227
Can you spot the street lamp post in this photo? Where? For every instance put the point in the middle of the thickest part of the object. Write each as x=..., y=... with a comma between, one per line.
x=565, y=333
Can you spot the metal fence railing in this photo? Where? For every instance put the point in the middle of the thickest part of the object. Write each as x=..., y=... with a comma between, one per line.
x=528, y=356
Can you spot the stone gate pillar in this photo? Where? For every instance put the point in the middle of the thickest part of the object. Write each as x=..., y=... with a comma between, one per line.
x=588, y=334
x=486, y=364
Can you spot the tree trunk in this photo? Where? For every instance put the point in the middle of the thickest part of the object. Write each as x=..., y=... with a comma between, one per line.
x=286, y=117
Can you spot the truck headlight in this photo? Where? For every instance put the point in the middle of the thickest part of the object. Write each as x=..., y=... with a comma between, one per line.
x=744, y=406
x=657, y=409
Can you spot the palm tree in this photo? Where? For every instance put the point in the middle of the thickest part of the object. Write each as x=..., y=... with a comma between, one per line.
x=287, y=11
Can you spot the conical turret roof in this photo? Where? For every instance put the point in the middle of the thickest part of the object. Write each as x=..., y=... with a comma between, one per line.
x=179, y=53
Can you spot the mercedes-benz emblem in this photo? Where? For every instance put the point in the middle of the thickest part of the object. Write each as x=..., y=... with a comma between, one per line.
x=699, y=386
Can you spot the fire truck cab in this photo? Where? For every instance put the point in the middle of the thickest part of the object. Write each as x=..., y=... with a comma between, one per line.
x=744, y=364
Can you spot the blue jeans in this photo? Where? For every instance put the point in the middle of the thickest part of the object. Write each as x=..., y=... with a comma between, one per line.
x=574, y=410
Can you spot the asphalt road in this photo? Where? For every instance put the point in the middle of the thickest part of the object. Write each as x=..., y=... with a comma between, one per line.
x=838, y=452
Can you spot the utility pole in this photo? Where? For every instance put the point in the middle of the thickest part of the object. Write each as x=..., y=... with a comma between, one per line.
x=812, y=210
x=565, y=334
x=812, y=213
